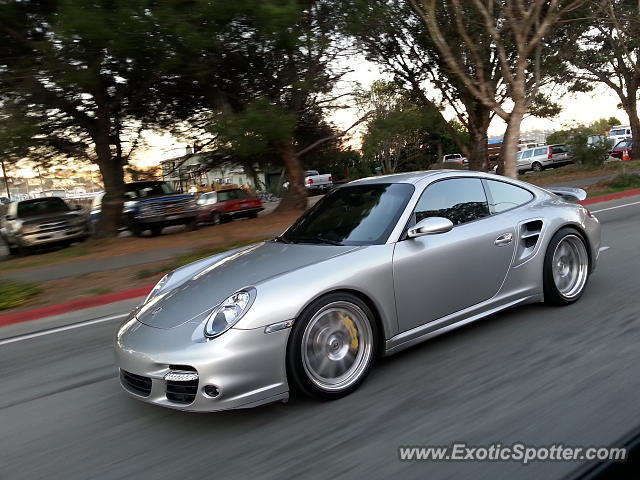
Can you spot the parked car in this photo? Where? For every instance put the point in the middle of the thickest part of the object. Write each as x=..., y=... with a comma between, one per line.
x=315, y=182
x=4, y=201
x=539, y=158
x=224, y=205
x=151, y=205
x=621, y=132
x=620, y=147
x=42, y=222
x=455, y=158
x=378, y=265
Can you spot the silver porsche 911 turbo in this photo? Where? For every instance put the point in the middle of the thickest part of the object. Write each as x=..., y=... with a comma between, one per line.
x=376, y=266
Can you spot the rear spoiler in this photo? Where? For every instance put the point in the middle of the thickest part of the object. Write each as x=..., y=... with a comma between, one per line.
x=568, y=193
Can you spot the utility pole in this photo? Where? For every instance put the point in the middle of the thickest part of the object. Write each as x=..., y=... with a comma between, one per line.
x=4, y=176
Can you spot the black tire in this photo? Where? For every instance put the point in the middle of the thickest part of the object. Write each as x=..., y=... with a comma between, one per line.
x=298, y=374
x=536, y=166
x=224, y=219
x=252, y=215
x=135, y=229
x=156, y=230
x=552, y=294
x=215, y=218
x=192, y=226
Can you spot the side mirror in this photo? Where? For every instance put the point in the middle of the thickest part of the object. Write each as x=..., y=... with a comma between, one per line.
x=430, y=226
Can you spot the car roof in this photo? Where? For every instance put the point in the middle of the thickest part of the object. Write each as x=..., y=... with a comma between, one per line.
x=415, y=178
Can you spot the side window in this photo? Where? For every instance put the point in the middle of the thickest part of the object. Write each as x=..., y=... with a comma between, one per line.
x=505, y=196
x=540, y=151
x=460, y=200
x=527, y=153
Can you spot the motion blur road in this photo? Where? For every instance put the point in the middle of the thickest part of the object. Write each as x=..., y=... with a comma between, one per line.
x=536, y=374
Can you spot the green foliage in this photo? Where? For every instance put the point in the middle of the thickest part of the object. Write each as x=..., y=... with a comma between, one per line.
x=15, y=294
x=625, y=181
x=583, y=153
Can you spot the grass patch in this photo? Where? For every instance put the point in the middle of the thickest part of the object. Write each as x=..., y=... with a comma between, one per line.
x=194, y=256
x=15, y=294
x=101, y=291
x=625, y=181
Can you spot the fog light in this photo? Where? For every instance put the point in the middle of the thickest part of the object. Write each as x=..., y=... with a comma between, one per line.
x=211, y=391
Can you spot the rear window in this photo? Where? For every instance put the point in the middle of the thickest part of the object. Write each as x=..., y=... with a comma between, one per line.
x=559, y=149
x=224, y=195
x=42, y=206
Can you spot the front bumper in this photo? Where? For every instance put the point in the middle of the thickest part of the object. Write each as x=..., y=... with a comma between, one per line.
x=79, y=232
x=247, y=367
x=173, y=218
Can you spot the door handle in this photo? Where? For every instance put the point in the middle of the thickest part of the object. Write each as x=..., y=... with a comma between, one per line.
x=504, y=239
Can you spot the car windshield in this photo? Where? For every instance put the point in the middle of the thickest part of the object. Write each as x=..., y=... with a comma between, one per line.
x=353, y=215
x=224, y=195
x=147, y=189
x=42, y=206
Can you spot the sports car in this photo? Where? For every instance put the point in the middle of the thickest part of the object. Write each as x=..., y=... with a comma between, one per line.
x=376, y=266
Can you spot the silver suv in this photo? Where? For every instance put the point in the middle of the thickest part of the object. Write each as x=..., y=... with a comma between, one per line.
x=539, y=158
x=41, y=221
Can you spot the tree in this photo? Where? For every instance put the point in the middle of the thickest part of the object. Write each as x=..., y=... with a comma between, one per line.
x=263, y=70
x=507, y=45
x=77, y=81
x=399, y=133
x=392, y=34
x=609, y=54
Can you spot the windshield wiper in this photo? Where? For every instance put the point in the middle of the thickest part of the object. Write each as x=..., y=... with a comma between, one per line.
x=318, y=240
x=281, y=239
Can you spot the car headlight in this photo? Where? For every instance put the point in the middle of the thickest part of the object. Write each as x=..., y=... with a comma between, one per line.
x=159, y=286
x=229, y=312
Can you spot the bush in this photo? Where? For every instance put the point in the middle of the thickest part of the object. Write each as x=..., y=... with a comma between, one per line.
x=587, y=154
x=15, y=294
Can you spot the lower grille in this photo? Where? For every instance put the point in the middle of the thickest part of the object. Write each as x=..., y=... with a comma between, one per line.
x=182, y=391
x=136, y=383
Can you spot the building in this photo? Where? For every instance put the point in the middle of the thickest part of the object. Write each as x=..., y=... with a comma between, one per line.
x=193, y=171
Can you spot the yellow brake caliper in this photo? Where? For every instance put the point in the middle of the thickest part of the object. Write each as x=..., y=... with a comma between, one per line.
x=351, y=328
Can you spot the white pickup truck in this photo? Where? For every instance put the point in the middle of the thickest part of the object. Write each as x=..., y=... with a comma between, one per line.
x=316, y=182
x=455, y=158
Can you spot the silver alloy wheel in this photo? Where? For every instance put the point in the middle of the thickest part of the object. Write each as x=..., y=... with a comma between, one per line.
x=536, y=167
x=570, y=266
x=337, y=346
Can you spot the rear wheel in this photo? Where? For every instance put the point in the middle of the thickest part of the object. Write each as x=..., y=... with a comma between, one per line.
x=332, y=346
x=566, y=268
x=536, y=166
x=155, y=231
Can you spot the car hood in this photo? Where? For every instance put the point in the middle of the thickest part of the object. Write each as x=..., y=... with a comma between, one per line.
x=50, y=218
x=194, y=299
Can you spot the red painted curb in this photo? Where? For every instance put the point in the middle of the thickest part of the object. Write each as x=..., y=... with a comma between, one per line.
x=611, y=196
x=79, y=304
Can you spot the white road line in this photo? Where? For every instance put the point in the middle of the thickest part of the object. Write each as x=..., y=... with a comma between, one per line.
x=613, y=208
x=50, y=331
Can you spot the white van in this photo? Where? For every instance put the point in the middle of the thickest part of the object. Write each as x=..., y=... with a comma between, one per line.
x=621, y=132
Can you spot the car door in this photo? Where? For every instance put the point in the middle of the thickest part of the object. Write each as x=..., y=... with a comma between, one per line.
x=437, y=275
x=525, y=159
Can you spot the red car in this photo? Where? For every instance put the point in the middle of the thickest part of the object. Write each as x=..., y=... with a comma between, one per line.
x=224, y=205
x=620, y=147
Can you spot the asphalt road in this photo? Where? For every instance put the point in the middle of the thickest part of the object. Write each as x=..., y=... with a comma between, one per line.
x=535, y=374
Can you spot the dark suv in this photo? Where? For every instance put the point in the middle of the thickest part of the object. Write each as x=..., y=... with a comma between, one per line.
x=41, y=222
x=151, y=205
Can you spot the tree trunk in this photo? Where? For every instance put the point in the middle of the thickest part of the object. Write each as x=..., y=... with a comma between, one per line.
x=113, y=200
x=295, y=197
x=631, y=108
x=508, y=166
x=479, y=121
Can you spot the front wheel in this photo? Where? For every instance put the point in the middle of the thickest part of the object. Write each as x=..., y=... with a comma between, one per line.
x=566, y=268
x=536, y=166
x=332, y=346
